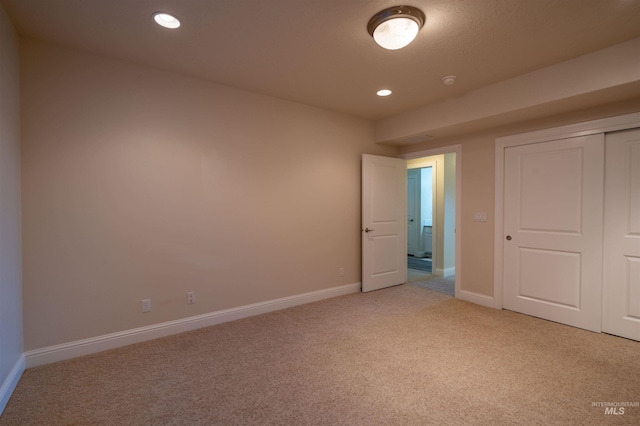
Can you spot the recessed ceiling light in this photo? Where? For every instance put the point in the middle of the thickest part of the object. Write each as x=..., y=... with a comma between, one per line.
x=384, y=92
x=166, y=20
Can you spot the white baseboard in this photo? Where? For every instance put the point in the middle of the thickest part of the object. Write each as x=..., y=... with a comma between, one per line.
x=115, y=340
x=10, y=383
x=479, y=299
x=447, y=272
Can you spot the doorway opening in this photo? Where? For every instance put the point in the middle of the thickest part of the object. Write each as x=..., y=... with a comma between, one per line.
x=431, y=222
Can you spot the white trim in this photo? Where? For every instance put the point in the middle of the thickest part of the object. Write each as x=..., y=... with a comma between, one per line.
x=605, y=125
x=449, y=272
x=115, y=340
x=433, y=151
x=498, y=247
x=10, y=383
x=457, y=149
x=477, y=298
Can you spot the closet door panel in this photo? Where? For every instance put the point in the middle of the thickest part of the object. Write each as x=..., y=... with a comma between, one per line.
x=553, y=194
x=621, y=281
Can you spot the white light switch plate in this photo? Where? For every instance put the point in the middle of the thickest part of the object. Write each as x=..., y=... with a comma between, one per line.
x=479, y=217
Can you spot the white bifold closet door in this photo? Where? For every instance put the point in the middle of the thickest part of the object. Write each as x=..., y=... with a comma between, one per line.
x=621, y=283
x=553, y=223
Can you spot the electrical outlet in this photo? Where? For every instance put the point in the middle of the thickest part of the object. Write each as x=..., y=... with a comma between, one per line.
x=341, y=272
x=191, y=297
x=146, y=305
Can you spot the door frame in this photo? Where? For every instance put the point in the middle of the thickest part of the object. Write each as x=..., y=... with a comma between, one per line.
x=434, y=167
x=605, y=125
x=451, y=149
x=417, y=233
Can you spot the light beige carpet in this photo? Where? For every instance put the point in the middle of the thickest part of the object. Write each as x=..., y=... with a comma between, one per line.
x=400, y=356
x=446, y=285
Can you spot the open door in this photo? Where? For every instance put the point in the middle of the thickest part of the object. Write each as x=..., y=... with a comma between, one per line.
x=384, y=227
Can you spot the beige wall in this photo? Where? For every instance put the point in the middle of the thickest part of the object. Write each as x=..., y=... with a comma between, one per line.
x=10, y=245
x=478, y=151
x=139, y=183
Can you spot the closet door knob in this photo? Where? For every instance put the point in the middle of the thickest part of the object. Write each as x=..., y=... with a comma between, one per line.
x=508, y=237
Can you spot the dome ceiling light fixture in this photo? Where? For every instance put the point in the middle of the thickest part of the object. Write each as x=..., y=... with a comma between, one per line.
x=395, y=27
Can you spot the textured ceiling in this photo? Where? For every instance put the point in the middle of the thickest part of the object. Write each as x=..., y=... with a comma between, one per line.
x=319, y=52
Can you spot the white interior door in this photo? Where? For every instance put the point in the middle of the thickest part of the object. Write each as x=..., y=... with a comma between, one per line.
x=413, y=211
x=553, y=223
x=621, y=292
x=384, y=227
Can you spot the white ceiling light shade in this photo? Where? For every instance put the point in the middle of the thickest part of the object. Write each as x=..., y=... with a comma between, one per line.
x=166, y=20
x=383, y=92
x=395, y=27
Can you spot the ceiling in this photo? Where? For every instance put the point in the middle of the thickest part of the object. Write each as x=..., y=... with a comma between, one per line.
x=318, y=52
